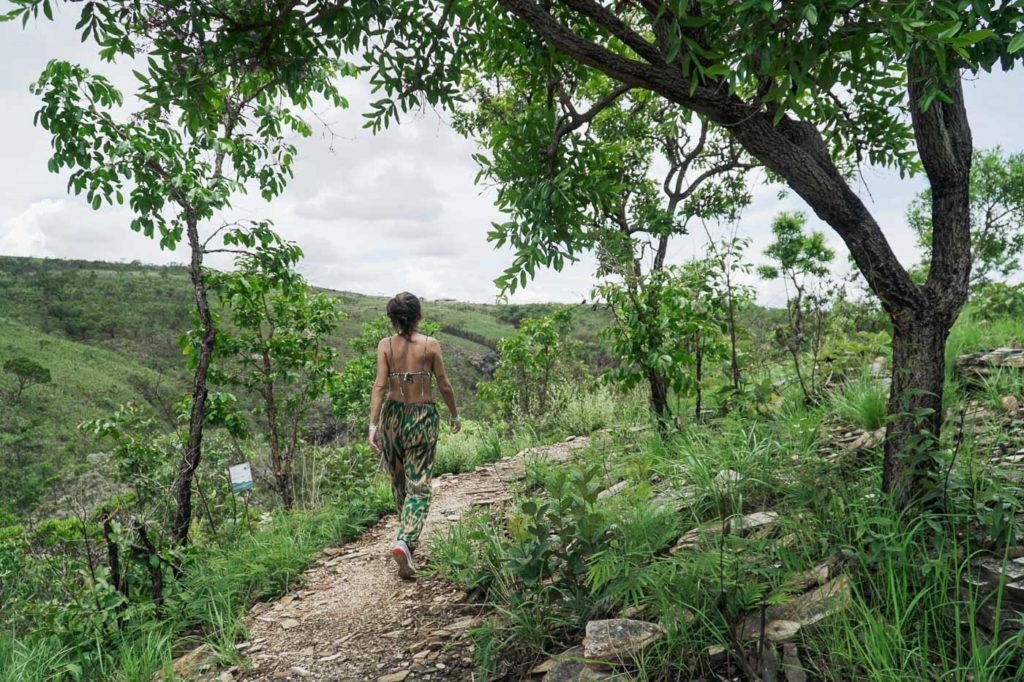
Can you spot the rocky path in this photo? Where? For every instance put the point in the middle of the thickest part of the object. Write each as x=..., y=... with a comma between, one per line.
x=354, y=619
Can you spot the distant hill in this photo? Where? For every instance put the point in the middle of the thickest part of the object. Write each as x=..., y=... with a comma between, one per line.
x=108, y=333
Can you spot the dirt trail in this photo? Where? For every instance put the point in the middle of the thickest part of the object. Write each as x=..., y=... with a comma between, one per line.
x=354, y=619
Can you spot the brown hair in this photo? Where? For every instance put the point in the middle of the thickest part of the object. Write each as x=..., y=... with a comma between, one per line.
x=405, y=313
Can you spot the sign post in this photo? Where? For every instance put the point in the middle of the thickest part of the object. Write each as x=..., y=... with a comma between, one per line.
x=240, y=476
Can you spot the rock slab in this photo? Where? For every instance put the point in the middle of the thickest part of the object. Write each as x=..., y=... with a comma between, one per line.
x=618, y=640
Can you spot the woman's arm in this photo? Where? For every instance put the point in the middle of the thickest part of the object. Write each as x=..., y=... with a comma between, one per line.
x=445, y=387
x=377, y=393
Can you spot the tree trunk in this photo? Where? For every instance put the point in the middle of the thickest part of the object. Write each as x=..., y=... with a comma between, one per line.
x=659, y=395
x=734, y=363
x=699, y=376
x=282, y=474
x=156, y=573
x=194, y=446
x=915, y=404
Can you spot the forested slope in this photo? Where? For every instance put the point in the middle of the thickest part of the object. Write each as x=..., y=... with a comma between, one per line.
x=109, y=333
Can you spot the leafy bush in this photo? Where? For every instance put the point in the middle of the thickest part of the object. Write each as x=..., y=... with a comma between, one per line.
x=536, y=568
x=999, y=299
x=534, y=361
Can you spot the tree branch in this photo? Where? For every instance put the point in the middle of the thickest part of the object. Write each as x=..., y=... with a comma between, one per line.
x=574, y=120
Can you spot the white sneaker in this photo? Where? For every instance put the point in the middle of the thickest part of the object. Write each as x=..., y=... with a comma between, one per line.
x=403, y=557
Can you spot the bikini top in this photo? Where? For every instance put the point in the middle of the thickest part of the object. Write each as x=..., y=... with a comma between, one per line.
x=408, y=377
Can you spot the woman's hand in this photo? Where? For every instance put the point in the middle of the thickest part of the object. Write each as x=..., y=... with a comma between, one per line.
x=372, y=439
x=456, y=425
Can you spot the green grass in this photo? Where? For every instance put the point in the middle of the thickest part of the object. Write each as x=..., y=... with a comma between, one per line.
x=221, y=582
x=861, y=402
x=974, y=333
x=41, y=440
x=904, y=620
x=476, y=445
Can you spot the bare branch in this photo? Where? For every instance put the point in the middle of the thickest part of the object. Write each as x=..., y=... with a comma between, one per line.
x=574, y=120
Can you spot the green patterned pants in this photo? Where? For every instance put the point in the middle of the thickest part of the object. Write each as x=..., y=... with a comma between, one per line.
x=408, y=434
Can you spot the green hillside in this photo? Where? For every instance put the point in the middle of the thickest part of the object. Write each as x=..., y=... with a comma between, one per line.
x=40, y=439
x=108, y=333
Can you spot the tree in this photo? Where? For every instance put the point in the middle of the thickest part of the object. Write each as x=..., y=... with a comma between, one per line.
x=727, y=255
x=26, y=373
x=219, y=88
x=997, y=215
x=280, y=350
x=810, y=90
x=531, y=364
x=670, y=331
x=574, y=155
x=801, y=262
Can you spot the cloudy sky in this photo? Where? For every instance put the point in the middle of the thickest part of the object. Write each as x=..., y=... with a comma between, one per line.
x=379, y=214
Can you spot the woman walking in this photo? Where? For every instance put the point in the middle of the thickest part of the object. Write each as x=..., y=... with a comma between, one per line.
x=404, y=420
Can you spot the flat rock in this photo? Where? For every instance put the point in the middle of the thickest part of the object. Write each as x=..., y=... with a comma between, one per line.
x=717, y=653
x=726, y=478
x=984, y=363
x=692, y=538
x=546, y=666
x=817, y=575
x=864, y=440
x=750, y=522
x=573, y=671
x=991, y=581
x=677, y=498
x=289, y=623
x=394, y=677
x=463, y=624
x=618, y=640
x=741, y=525
x=781, y=630
x=193, y=663
x=805, y=610
x=792, y=668
x=613, y=490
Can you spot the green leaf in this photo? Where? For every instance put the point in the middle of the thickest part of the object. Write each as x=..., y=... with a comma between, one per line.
x=973, y=37
x=1017, y=44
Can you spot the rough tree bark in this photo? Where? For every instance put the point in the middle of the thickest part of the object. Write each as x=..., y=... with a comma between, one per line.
x=796, y=151
x=659, y=395
x=279, y=463
x=194, y=445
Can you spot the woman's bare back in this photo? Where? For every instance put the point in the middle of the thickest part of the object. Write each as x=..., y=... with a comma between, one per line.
x=410, y=364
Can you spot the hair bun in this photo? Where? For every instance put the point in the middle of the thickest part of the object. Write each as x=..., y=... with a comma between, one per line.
x=405, y=312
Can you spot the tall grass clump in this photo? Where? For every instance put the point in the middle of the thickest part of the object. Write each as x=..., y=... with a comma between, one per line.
x=912, y=616
x=583, y=409
x=477, y=444
x=860, y=402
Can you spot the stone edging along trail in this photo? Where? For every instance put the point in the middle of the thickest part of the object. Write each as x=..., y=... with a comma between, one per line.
x=354, y=619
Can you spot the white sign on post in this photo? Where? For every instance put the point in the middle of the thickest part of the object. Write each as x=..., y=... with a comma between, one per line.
x=241, y=477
